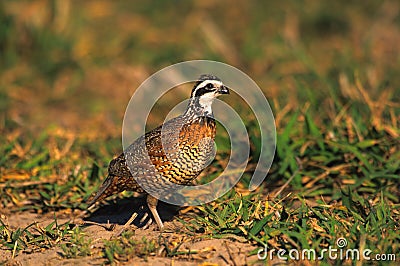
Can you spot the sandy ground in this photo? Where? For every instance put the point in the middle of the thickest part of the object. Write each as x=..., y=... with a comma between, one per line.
x=210, y=251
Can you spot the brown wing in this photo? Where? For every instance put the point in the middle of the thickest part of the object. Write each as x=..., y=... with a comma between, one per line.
x=173, y=152
x=186, y=152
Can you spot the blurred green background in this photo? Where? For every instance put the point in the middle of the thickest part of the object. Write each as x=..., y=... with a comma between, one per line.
x=76, y=63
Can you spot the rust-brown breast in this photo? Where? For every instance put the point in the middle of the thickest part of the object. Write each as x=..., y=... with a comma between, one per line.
x=183, y=155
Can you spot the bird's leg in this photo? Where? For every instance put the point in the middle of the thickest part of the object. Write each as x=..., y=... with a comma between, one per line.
x=133, y=217
x=126, y=225
x=152, y=203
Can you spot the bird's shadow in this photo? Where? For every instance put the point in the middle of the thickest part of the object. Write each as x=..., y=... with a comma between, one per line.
x=120, y=210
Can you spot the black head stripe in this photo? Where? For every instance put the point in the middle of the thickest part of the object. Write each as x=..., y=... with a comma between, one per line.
x=201, y=91
x=205, y=77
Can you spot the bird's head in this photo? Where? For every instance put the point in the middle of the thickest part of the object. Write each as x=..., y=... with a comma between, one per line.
x=207, y=88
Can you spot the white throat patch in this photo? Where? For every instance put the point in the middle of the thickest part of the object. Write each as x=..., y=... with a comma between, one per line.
x=206, y=101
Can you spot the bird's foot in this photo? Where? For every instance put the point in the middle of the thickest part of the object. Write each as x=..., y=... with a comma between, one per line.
x=108, y=227
x=144, y=223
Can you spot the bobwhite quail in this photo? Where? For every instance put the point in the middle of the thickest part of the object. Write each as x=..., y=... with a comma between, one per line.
x=165, y=160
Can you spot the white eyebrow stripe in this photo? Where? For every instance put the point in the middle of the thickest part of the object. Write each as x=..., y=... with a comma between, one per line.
x=204, y=83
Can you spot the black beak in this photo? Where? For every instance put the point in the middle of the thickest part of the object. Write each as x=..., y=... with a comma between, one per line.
x=223, y=90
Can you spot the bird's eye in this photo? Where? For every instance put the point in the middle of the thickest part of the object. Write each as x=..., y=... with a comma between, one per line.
x=209, y=86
